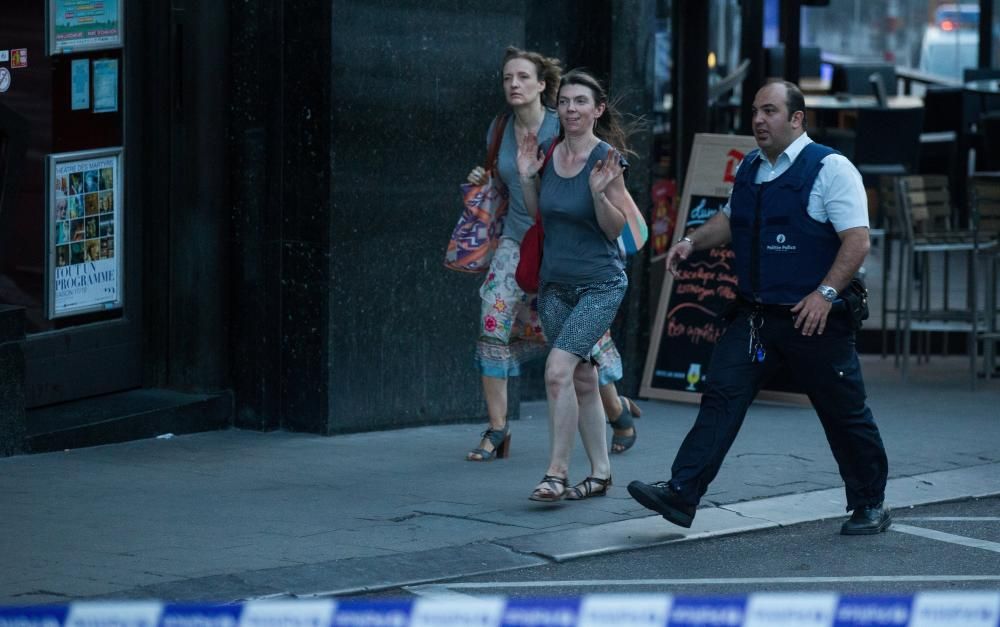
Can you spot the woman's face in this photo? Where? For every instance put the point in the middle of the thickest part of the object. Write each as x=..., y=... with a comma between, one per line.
x=577, y=110
x=520, y=82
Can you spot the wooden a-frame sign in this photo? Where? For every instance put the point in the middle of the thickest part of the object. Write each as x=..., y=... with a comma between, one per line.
x=687, y=325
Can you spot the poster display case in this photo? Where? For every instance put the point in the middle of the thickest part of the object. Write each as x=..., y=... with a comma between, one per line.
x=84, y=226
x=79, y=25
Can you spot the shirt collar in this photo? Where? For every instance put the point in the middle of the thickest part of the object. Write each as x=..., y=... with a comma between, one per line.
x=792, y=152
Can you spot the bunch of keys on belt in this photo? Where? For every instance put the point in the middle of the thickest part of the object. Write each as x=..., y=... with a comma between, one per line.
x=756, y=349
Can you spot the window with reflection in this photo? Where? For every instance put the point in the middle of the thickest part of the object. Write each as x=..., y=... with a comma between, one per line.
x=937, y=38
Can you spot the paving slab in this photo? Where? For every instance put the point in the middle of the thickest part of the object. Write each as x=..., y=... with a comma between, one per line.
x=753, y=515
x=231, y=515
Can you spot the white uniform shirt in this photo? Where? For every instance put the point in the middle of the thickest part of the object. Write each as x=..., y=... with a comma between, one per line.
x=837, y=196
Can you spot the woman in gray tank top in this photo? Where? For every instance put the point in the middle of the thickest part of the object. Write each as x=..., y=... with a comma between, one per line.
x=510, y=333
x=582, y=199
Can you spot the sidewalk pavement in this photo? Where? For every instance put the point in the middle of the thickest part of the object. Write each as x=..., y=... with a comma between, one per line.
x=235, y=515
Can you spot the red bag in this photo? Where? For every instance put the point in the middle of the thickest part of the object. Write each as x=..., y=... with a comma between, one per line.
x=529, y=266
x=530, y=263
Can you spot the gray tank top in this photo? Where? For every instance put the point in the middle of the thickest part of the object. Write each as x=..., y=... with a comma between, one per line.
x=518, y=220
x=576, y=249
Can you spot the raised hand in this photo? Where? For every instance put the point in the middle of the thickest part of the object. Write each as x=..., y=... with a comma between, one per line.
x=529, y=162
x=606, y=171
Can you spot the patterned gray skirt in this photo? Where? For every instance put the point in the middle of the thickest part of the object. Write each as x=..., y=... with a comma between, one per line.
x=575, y=317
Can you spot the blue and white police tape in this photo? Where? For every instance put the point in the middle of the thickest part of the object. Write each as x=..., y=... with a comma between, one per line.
x=923, y=609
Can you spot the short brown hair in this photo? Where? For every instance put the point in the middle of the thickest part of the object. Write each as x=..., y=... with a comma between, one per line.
x=794, y=99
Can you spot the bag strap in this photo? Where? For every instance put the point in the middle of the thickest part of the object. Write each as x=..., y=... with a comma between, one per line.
x=499, y=125
x=545, y=162
x=548, y=154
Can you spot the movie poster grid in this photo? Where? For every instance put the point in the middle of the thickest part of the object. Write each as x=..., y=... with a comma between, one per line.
x=85, y=222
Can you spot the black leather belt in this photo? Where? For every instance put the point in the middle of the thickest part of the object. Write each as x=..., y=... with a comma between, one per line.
x=745, y=304
x=772, y=310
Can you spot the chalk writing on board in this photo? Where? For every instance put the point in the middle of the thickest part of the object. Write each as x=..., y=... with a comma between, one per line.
x=704, y=284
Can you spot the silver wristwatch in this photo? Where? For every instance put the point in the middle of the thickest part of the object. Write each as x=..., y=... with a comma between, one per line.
x=827, y=292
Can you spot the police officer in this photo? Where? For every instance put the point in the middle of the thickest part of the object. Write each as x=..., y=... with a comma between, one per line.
x=797, y=222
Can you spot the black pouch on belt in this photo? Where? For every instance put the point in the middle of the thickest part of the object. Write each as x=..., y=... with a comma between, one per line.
x=855, y=296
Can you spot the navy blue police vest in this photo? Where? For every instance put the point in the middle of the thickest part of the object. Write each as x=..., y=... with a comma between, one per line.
x=773, y=231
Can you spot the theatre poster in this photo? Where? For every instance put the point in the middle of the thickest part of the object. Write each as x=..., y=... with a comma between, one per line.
x=84, y=229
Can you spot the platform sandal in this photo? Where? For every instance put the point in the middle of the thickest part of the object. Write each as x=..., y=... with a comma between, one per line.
x=499, y=438
x=547, y=491
x=625, y=420
x=589, y=487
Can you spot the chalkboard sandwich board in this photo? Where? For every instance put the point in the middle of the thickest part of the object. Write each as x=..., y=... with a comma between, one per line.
x=687, y=324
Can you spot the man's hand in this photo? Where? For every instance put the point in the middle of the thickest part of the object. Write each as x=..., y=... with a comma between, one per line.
x=811, y=313
x=677, y=253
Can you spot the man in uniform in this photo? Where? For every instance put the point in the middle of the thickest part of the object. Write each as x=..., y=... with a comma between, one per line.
x=797, y=222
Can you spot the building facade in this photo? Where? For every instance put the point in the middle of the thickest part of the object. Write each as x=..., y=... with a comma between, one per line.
x=278, y=182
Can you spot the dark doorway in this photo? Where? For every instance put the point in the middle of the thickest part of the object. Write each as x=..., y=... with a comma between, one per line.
x=69, y=251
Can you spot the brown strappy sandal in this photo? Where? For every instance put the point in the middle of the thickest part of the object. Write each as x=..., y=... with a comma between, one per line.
x=589, y=487
x=547, y=491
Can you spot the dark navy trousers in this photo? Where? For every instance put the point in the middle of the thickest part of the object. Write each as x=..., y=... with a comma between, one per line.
x=827, y=369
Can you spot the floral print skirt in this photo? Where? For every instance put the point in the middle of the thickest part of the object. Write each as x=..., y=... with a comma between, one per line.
x=510, y=333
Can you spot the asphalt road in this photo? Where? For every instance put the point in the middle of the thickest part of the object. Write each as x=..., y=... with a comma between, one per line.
x=950, y=546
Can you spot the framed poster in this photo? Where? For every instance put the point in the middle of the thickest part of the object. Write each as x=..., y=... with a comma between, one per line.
x=77, y=25
x=84, y=216
x=687, y=326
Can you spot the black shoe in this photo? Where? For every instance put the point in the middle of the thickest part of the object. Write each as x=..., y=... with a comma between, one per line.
x=662, y=499
x=867, y=520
